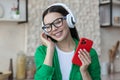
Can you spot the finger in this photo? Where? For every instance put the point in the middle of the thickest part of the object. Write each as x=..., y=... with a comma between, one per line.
x=49, y=39
x=84, y=61
x=83, y=53
x=84, y=57
x=43, y=36
x=86, y=54
x=81, y=58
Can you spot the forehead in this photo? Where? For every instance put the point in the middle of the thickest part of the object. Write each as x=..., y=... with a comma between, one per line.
x=50, y=17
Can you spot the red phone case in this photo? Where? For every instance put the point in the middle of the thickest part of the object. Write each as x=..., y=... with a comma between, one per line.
x=84, y=43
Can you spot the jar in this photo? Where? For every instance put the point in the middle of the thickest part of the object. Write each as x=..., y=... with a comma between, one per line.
x=21, y=66
x=117, y=20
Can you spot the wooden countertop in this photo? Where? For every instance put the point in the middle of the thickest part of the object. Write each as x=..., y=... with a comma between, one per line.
x=115, y=76
x=24, y=79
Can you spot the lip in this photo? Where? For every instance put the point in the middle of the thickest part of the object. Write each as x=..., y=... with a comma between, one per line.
x=58, y=34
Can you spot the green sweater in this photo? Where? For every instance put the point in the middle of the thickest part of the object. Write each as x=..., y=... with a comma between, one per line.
x=45, y=72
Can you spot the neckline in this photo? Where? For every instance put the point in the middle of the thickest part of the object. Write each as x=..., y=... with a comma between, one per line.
x=70, y=52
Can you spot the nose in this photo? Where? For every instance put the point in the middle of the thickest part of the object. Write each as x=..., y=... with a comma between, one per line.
x=53, y=28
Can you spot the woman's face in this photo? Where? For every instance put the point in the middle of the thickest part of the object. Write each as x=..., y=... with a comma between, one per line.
x=58, y=33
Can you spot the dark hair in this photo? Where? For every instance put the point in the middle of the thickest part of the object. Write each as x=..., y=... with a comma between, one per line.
x=64, y=12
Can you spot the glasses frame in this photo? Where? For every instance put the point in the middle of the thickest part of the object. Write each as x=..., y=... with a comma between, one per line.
x=53, y=24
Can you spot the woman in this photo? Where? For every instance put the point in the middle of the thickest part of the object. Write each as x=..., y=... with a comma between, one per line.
x=60, y=39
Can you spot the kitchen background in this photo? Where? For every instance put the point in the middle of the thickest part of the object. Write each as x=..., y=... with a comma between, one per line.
x=16, y=37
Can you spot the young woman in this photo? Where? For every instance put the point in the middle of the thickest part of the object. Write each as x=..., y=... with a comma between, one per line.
x=53, y=58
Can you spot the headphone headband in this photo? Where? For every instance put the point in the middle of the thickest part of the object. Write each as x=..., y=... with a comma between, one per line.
x=66, y=8
x=69, y=17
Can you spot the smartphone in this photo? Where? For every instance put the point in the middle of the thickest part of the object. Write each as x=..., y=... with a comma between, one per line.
x=52, y=39
x=84, y=43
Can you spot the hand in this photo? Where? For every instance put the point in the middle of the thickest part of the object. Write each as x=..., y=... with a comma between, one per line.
x=46, y=41
x=50, y=49
x=85, y=59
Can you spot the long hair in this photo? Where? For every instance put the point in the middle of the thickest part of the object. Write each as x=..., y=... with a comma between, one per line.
x=61, y=10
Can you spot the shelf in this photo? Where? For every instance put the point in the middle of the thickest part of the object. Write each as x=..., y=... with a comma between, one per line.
x=105, y=24
x=108, y=25
x=108, y=2
x=104, y=15
x=109, y=13
x=104, y=2
x=14, y=20
x=116, y=2
x=20, y=5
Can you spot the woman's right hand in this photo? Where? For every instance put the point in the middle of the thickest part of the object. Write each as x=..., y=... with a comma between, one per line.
x=50, y=48
x=46, y=40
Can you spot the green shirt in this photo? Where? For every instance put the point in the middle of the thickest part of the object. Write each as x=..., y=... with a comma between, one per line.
x=45, y=72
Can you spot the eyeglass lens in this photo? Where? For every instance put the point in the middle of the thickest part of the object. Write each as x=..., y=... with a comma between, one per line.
x=57, y=23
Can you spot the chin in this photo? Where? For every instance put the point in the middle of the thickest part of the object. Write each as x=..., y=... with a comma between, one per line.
x=60, y=39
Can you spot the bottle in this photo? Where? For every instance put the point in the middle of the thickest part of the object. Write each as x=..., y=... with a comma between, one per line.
x=30, y=68
x=11, y=70
x=111, y=68
x=21, y=66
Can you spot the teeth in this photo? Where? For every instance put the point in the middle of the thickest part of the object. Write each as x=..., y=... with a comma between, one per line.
x=58, y=34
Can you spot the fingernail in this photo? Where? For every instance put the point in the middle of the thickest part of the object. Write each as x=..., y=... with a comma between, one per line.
x=80, y=49
x=84, y=49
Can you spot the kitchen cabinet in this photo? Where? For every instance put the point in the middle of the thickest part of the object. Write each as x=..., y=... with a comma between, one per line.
x=109, y=11
x=14, y=11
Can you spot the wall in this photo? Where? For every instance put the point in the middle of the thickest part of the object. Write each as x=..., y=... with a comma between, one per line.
x=86, y=12
x=109, y=37
x=12, y=40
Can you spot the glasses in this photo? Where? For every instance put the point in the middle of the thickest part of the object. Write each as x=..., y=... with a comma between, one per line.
x=57, y=23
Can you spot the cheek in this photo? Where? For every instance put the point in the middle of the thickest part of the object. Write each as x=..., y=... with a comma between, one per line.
x=66, y=28
x=66, y=31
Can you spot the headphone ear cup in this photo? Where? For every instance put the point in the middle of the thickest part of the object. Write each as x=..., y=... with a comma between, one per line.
x=70, y=21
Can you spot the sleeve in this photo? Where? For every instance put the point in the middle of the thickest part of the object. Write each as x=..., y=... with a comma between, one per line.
x=94, y=68
x=43, y=72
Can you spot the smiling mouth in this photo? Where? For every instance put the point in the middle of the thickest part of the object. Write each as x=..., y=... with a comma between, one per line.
x=58, y=34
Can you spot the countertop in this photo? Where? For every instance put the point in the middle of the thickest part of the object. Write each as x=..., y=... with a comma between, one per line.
x=115, y=76
x=24, y=79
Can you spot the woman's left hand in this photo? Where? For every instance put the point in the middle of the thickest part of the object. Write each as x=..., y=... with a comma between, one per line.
x=84, y=56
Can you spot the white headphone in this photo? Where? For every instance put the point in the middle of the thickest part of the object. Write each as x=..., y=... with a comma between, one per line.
x=69, y=17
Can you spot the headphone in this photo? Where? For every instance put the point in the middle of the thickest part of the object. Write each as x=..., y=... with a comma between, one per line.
x=69, y=17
